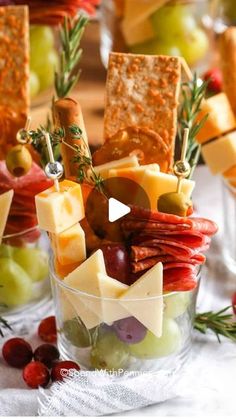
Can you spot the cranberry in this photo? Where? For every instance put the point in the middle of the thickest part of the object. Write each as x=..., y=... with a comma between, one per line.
x=214, y=78
x=234, y=303
x=17, y=352
x=36, y=374
x=46, y=354
x=47, y=330
x=60, y=370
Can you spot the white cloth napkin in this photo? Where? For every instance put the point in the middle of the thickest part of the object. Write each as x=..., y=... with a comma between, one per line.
x=207, y=384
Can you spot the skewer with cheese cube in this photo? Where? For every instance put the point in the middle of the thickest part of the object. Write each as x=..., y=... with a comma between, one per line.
x=220, y=154
x=69, y=246
x=156, y=184
x=57, y=211
x=220, y=118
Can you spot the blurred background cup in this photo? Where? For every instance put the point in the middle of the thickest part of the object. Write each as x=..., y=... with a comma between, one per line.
x=168, y=27
x=24, y=284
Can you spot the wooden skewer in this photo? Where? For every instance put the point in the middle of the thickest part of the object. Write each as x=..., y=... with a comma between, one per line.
x=183, y=156
x=51, y=157
x=28, y=122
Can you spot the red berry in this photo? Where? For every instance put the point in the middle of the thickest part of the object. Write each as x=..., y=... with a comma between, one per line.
x=17, y=352
x=46, y=354
x=60, y=370
x=47, y=330
x=36, y=374
x=234, y=303
x=214, y=77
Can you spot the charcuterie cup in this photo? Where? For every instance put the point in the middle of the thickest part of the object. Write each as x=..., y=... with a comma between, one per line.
x=229, y=232
x=143, y=335
x=24, y=284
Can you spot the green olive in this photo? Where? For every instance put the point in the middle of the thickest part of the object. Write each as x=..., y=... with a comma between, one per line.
x=174, y=203
x=19, y=160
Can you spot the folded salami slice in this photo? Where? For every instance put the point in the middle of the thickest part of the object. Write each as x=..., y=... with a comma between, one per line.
x=141, y=252
x=204, y=226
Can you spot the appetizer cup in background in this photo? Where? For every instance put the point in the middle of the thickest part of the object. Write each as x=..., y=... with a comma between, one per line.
x=143, y=27
x=125, y=344
x=229, y=216
x=24, y=284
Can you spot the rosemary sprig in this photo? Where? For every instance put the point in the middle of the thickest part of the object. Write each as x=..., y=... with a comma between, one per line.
x=192, y=94
x=71, y=33
x=3, y=323
x=220, y=323
x=83, y=159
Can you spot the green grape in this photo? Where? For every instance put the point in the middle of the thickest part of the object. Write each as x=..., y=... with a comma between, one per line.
x=195, y=46
x=34, y=84
x=41, y=39
x=109, y=353
x=33, y=261
x=15, y=284
x=170, y=22
x=45, y=71
x=176, y=304
x=6, y=251
x=76, y=333
x=156, y=47
x=153, y=347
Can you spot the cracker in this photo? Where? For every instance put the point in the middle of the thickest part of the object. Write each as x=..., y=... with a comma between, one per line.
x=143, y=91
x=14, y=65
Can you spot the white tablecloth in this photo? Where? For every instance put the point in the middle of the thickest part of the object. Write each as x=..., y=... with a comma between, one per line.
x=210, y=387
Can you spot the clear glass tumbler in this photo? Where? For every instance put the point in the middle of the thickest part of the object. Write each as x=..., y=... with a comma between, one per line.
x=229, y=232
x=24, y=283
x=101, y=334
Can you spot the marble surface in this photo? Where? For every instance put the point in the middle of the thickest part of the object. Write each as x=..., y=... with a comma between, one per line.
x=209, y=385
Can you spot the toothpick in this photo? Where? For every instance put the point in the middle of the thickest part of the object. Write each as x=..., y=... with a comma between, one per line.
x=51, y=158
x=183, y=156
x=28, y=122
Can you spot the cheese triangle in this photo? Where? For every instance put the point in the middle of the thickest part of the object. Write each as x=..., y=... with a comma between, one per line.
x=110, y=288
x=5, y=205
x=85, y=280
x=145, y=307
x=142, y=10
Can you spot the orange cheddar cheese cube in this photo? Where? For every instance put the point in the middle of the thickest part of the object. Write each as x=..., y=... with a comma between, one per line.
x=230, y=173
x=220, y=118
x=220, y=155
x=57, y=211
x=69, y=246
x=63, y=270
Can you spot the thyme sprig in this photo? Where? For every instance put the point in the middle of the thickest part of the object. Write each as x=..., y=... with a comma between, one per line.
x=220, y=322
x=192, y=94
x=71, y=33
x=83, y=159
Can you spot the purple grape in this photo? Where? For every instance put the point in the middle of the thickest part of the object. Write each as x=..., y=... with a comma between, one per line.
x=130, y=330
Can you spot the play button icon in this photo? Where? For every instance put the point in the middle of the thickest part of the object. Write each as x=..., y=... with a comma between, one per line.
x=108, y=207
x=116, y=210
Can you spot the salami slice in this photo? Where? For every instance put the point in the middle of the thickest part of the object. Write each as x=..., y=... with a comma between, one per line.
x=186, y=284
x=204, y=226
x=140, y=253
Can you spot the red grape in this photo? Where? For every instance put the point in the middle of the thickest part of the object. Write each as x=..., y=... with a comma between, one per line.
x=47, y=330
x=17, y=352
x=234, y=303
x=130, y=330
x=36, y=374
x=46, y=354
x=61, y=370
x=117, y=262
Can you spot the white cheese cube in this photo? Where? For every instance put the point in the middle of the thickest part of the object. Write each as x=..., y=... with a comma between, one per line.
x=69, y=246
x=220, y=155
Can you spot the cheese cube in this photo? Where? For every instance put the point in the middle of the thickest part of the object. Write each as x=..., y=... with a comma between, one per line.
x=110, y=290
x=103, y=169
x=57, y=211
x=140, y=301
x=140, y=11
x=156, y=184
x=134, y=173
x=220, y=155
x=64, y=270
x=220, y=118
x=5, y=205
x=230, y=173
x=69, y=246
x=139, y=33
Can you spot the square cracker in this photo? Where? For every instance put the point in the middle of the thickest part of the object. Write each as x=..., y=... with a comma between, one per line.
x=14, y=71
x=143, y=91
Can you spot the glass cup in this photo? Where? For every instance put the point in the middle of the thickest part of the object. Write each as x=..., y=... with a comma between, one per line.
x=229, y=226
x=178, y=28
x=101, y=334
x=24, y=283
